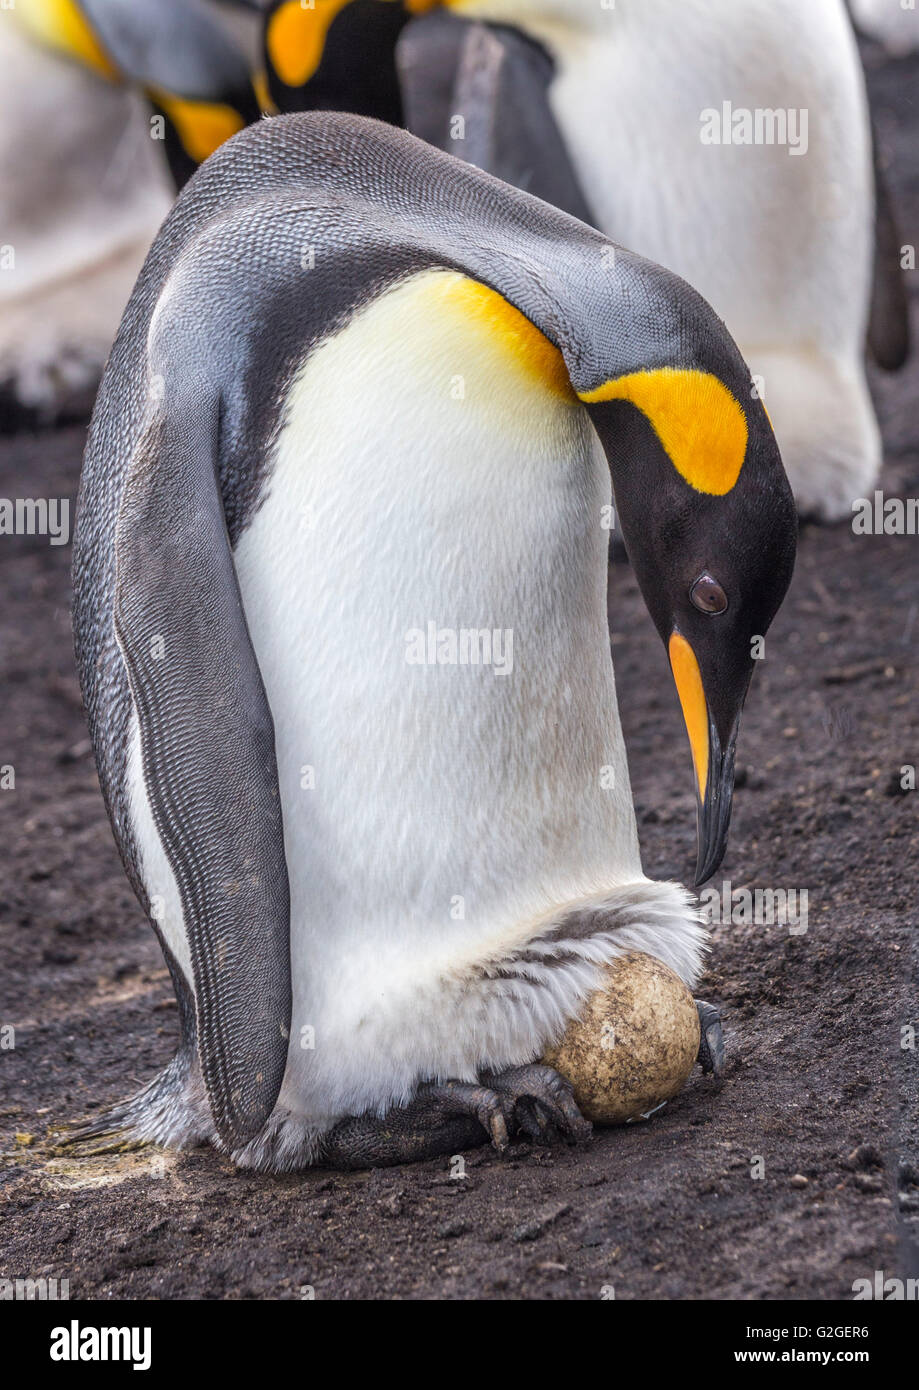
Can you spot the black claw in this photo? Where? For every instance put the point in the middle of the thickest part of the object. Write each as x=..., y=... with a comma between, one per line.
x=543, y=1104
x=491, y=1118
x=711, y=1044
x=530, y=1121
x=463, y=1098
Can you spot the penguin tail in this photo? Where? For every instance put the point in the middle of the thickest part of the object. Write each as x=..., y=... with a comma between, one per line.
x=171, y=1110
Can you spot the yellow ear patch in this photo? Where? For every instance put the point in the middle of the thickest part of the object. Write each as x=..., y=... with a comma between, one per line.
x=296, y=37
x=202, y=126
x=696, y=418
x=61, y=24
x=520, y=339
x=688, y=680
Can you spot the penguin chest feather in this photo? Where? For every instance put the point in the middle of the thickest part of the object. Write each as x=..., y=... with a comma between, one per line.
x=425, y=587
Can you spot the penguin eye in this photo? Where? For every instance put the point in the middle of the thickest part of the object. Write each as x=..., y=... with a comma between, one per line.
x=707, y=595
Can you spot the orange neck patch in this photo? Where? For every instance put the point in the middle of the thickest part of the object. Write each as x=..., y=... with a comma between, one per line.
x=520, y=339
x=202, y=126
x=61, y=24
x=696, y=418
x=296, y=35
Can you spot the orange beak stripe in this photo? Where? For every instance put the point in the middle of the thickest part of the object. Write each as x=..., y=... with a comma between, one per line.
x=692, y=698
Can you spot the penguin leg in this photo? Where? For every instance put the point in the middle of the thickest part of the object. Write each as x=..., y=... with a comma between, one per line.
x=445, y=1117
x=711, y=1044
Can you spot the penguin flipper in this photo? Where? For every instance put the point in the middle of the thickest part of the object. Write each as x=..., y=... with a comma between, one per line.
x=498, y=81
x=207, y=740
x=888, y=320
x=427, y=56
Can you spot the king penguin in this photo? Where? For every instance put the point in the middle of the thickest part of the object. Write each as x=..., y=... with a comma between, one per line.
x=176, y=52
x=340, y=616
x=85, y=181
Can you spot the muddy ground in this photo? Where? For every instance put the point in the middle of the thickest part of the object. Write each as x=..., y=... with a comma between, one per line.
x=817, y=1087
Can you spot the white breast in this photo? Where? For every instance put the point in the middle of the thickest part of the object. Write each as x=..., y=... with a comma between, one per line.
x=433, y=813
x=894, y=23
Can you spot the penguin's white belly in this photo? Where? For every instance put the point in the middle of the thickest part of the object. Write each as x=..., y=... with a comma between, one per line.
x=438, y=809
x=765, y=233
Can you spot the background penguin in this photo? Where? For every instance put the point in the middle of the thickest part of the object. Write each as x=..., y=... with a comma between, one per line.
x=888, y=22
x=781, y=244
x=84, y=189
x=175, y=52
x=597, y=109
x=85, y=185
x=336, y=55
x=357, y=393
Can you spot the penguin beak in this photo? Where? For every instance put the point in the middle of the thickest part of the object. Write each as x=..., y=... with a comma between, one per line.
x=713, y=761
x=713, y=812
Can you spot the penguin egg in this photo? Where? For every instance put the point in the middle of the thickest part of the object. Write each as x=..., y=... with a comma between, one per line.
x=633, y=1044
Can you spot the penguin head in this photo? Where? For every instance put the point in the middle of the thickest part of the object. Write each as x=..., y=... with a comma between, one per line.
x=336, y=55
x=175, y=52
x=709, y=522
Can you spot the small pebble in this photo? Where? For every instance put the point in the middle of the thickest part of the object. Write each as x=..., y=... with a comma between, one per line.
x=453, y=1229
x=866, y=1156
x=868, y=1182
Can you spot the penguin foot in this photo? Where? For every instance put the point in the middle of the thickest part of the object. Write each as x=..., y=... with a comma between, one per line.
x=711, y=1045
x=541, y=1103
x=445, y=1117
